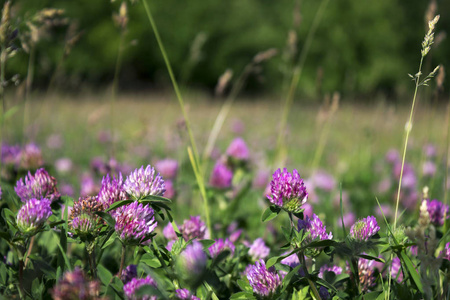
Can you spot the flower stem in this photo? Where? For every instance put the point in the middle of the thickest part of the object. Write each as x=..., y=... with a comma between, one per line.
x=122, y=260
x=195, y=161
x=296, y=78
x=408, y=130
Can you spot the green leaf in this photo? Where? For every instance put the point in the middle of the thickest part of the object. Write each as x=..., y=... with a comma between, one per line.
x=107, y=217
x=148, y=290
x=370, y=257
x=276, y=259
x=270, y=213
x=207, y=243
x=150, y=260
x=320, y=244
x=243, y=295
x=372, y=295
x=66, y=259
x=6, y=236
x=104, y=274
x=326, y=284
x=118, y=204
x=56, y=223
x=110, y=241
x=3, y=273
x=244, y=284
x=153, y=198
x=288, y=277
x=222, y=256
x=411, y=270
x=9, y=216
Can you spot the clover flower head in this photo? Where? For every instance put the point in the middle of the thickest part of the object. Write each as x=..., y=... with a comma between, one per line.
x=446, y=252
x=221, y=245
x=111, y=190
x=169, y=232
x=437, y=210
x=168, y=168
x=193, y=228
x=335, y=269
x=258, y=250
x=364, y=229
x=287, y=190
x=366, y=269
x=10, y=154
x=323, y=293
x=263, y=281
x=31, y=157
x=83, y=219
x=33, y=214
x=238, y=149
x=40, y=185
x=314, y=228
x=133, y=286
x=291, y=261
x=134, y=222
x=193, y=259
x=144, y=182
x=221, y=176
x=128, y=274
x=185, y=294
x=75, y=285
x=396, y=269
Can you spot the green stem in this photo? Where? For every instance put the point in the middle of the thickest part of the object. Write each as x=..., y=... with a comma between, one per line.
x=301, y=257
x=115, y=86
x=447, y=165
x=408, y=130
x=28, y=86
x=296, y=77
x=2, y=95
x=195, y=158
x=122, y=260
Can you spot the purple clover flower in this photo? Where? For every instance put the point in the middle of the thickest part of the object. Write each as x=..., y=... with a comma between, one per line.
x=264, y=281
x=74, y=285
x=133, y=286
x=291, y=261
x=366, y=269
x=83, y=220
x=323, y=293
x=168, y=168
x=10, y=155
x=111, y=190
x=335, y=269
x=221, y=176
x=39, y=186
x=287, y=190
x=396, y=270
x=238, y=149
x=193, y=259
x=258, y=250
x=170, y=189
x=446, y=252
x=169, y=232
x=144, y=182
x=364, y=229
x=314, y=228
x=193, y=228
x=134, y=222
x=128, y=274
x=221, y=245
x=31, y=157
x=185, y=294
x=88, y=186
x=33, y=214
x=437, y=210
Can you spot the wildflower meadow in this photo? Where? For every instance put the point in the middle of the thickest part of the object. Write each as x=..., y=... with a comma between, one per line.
x=186, y=198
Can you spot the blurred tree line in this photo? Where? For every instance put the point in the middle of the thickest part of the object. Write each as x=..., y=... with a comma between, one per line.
x=360, y=48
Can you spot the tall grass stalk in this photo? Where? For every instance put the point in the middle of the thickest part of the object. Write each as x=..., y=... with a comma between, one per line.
x=446, y=166
x=426, y=46
x=2, y=96
x=195, y=159
x=237, y=87
x=281, y=150
x=122, y=20
x=28, y=86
